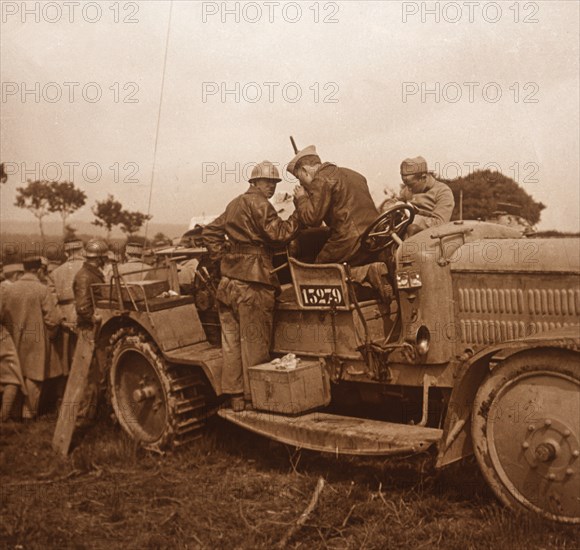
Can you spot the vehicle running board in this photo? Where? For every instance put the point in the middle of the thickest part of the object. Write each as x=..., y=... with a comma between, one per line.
x=331, y=433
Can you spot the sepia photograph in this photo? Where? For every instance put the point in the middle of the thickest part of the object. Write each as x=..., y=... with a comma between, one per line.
x=290, y=274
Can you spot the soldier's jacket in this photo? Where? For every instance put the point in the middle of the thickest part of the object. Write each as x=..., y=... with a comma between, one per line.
x=31, y=314
x=62, y=279
x=86, y=276
x=253, y=229
x=10, y=369
x=437, y=199
x=340, y=198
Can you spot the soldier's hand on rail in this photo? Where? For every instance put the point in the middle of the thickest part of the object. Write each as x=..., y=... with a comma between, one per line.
x=413, y=229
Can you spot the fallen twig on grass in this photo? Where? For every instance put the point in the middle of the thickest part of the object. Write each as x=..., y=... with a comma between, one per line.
x=248, y=524
x=345, y=521
x=43, y=481
x=304, y=516
x=168, y=518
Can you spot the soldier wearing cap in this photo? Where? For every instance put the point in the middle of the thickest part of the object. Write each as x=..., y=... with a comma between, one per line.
x=31, y=314
x=62, y=279
x=11, y=378
x=132, y=268
x=244, y=237
x=432, y=197
x=337, y=196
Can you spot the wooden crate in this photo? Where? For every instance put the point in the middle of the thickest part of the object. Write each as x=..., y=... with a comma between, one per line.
x=289, y=391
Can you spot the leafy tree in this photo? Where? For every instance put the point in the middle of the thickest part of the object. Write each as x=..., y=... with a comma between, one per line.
x=483, y=190
x=107, y=214
x=131, y=222
x=35, y=197
x=65, y=199
x=161, y=239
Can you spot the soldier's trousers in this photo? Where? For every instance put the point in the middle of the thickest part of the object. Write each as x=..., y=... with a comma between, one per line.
x=246, y=312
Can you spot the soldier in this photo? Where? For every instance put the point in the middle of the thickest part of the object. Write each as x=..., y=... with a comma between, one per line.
x=246, y=291
x=62, y=279
x=133, y=262
x=433, y=197
x=338, y=197
x=90, y=273
x=11, y=378
x=32, y=316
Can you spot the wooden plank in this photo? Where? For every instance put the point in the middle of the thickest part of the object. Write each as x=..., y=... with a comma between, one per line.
x=337, y=434
x=75, y=388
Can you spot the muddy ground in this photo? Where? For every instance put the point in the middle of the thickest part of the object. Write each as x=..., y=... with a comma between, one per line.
x=233, y=489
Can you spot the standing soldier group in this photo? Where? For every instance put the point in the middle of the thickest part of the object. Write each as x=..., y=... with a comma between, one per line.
x=42, y=317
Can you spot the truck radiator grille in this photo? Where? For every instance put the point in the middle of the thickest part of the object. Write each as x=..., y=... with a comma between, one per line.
x=489, y=315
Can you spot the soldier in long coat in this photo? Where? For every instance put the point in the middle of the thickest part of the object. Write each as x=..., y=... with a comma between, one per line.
x=62, y=279
x=32, y=315
x=11, y=379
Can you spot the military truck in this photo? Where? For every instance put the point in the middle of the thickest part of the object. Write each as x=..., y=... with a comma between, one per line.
x=477, y=352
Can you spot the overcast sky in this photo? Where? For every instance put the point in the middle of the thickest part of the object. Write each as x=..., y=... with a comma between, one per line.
x=352, y=74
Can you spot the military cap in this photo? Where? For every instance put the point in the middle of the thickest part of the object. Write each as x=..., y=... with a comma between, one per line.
x=32, y=262
x=309, y=151
x=12, y=268
x=134, y=248
x=73, y=244
x=414, y=166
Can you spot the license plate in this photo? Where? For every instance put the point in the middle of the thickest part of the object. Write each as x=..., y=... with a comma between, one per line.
x=321, y=295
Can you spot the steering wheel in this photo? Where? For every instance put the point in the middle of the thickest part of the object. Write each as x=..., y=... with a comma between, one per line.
x=394, y=221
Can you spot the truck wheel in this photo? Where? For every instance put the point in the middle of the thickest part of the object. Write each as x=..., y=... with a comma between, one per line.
x=158, y=404
x=526, y=433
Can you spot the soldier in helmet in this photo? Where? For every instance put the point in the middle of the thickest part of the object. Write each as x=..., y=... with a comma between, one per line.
x=340, y=198
x=244, y=237
x=90, y=273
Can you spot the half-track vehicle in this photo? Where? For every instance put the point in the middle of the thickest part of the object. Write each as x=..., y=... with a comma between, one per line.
x=477, y=352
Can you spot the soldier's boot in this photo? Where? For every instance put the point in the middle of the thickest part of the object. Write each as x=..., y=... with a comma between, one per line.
x=8, y=398
x=237, y=402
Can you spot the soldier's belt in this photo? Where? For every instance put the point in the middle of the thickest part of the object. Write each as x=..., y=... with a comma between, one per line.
x=66, y=302
x=235, y=248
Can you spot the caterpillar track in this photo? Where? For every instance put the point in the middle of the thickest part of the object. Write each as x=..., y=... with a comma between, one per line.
x=161, y=405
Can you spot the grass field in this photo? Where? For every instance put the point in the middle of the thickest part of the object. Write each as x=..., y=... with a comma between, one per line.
x=233, y=489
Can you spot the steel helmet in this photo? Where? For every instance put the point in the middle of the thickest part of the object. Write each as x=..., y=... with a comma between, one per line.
x=96, y=249
x=265, y=170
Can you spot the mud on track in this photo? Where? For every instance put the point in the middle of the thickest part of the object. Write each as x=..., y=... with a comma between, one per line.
x=233, y=489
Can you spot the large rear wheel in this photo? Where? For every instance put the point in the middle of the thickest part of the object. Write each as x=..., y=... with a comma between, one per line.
x=526, y=433
x=156, y=403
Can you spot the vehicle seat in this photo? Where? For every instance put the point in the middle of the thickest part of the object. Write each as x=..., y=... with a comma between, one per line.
x=323, y=286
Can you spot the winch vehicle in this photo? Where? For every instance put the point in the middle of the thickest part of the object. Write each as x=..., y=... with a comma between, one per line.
x=462, y=339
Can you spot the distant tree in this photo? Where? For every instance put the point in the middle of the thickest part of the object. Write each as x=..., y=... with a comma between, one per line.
x=65, y=199
x=107, y=214
x=484, y=189
x=131, y=222
x=36, y=198
x=160, y=239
